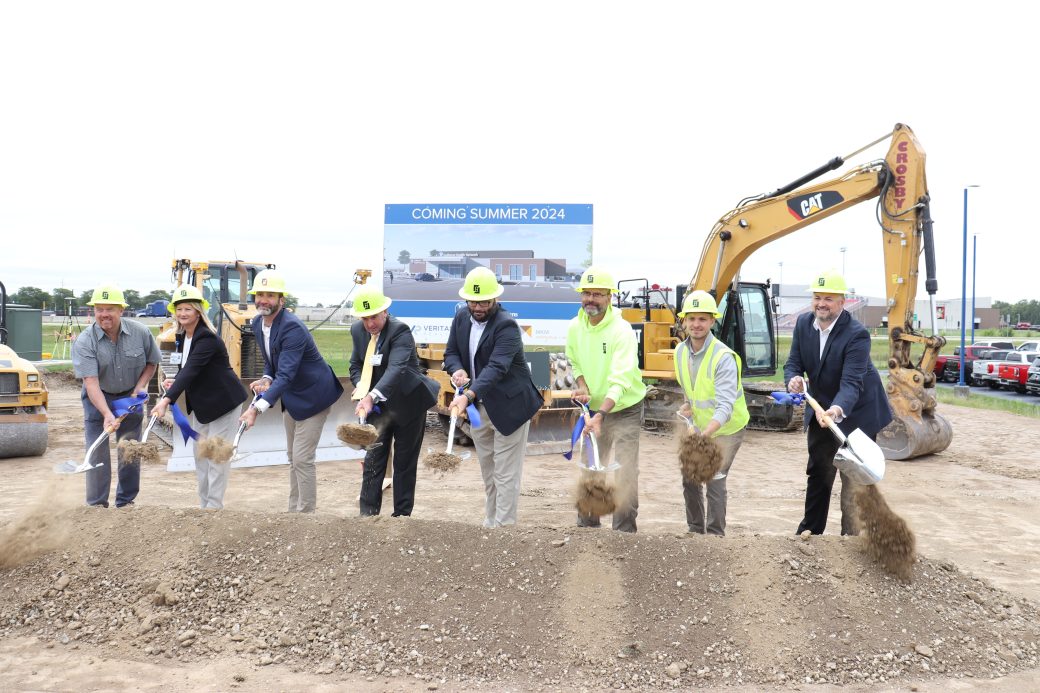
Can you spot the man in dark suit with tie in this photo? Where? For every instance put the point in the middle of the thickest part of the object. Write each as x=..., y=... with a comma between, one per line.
x=297, y=375
x=385, y=371
x=485, y=354
x=832, y=350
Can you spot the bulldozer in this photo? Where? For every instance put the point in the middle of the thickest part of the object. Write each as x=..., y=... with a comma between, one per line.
x=23, y=399
x=748, y=325
x=225, y=284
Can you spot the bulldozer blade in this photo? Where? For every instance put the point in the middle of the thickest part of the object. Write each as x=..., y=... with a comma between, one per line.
x=907, y=437
x=264, y=443
x=550, y=430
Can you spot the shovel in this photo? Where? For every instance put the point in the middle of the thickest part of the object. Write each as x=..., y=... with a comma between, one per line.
x=593, y=465
x=70, y=466
x=235, y=455
x=859, y=457
x=689, y=424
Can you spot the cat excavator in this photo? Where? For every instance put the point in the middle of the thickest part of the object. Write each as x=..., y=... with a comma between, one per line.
x=748, y=326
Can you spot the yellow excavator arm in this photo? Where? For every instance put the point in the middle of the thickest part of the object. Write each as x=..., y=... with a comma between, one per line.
x=906, y=230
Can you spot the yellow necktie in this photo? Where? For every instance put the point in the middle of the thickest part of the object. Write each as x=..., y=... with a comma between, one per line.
x=366, y=371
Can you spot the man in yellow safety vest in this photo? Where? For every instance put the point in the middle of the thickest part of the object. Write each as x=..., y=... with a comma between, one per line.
x=709, y=373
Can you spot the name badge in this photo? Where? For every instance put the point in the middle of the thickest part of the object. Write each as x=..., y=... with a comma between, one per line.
x=175, y=358
x=377, y=359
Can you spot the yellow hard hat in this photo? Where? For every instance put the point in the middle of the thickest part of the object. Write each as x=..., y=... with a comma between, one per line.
x=186, y=292
x=480, y=285
x=269, y=280
x=829, y=282
x=369, y=301
x=108, y=294
x=597, y=278
x=700, y=302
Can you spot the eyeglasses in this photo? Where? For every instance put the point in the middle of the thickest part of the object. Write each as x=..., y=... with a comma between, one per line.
x=479, y=304
x=595, y=294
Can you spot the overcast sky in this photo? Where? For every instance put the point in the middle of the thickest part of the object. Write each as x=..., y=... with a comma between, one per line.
x=132, y=133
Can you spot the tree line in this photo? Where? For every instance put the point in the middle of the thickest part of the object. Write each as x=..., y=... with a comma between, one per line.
x=38, y=298
x=1023, y=311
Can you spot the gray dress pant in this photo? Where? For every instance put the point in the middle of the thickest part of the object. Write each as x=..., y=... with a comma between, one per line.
x=715, y=490
x=620, y=435
x=213, y=476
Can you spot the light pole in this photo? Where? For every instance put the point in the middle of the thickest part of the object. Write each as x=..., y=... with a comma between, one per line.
x=961, y=389
x=974, y=261
x=843, y=261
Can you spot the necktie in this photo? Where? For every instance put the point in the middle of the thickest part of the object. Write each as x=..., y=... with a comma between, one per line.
x=366, y=371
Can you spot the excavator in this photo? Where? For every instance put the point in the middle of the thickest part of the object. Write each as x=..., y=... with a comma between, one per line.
x=748, y=326
x=23, y=399
x=225, y=284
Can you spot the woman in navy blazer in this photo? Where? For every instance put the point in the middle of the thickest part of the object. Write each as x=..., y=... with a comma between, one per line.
x=213, y=393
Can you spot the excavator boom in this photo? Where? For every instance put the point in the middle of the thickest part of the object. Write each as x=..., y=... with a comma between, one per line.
x=906, y=231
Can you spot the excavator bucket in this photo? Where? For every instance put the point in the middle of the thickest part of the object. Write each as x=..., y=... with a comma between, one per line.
x=916, y=429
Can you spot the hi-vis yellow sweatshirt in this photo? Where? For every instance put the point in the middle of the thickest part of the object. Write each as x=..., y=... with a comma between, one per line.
x=605, y=355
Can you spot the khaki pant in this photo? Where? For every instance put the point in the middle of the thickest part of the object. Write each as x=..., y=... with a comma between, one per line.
x=301, y=439
x=213, y=477
x=501, y=464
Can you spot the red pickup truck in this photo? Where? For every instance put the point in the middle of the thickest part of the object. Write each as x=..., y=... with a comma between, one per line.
x=947, y=368
x=1013, y=376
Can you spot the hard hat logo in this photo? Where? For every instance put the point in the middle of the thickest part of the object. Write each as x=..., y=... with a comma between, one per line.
x=822, y=281
x=590, y=279
x=366, y=305
x=104, y=294
x=476, y=288
x=263, y=281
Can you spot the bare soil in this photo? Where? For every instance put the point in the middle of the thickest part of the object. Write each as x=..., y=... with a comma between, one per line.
x=163, y=596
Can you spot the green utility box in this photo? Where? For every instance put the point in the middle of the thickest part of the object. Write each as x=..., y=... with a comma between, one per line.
x=25, y=331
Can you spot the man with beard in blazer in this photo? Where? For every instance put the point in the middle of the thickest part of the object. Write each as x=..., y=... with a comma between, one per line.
x=833, y=351
x=485, y=354
x=385, y=371
x=295, y=374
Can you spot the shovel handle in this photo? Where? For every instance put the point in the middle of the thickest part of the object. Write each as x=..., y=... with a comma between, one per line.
x=451, y=429
x=826, y=419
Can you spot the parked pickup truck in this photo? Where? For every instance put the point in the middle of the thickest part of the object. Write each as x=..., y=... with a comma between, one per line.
x=1033, y=379
x=1014, y=376
x=948, y=368
x=987, y=371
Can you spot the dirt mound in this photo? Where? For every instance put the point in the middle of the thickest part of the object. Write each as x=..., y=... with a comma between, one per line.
x=522, y=606
x=135, y=452
x=442, y=462
x=61, y=380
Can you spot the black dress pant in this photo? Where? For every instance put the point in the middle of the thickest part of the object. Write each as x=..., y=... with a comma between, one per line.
x=821, y=471
x=406, y=437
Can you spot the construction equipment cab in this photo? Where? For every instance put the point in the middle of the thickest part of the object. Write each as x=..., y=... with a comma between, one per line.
x=23, y=397
x=898, y=181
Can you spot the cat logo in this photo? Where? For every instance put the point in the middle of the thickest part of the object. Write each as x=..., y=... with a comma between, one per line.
x=804, y=206
x=366, y=305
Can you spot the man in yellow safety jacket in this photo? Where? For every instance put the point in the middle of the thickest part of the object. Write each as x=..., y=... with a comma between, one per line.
x=709, y=373
x=602, y=351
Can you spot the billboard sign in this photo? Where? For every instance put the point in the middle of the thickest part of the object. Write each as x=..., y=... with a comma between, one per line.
x=537, y=252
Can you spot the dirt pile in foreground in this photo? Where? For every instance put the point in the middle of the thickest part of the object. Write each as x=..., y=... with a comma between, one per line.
x=447, y=602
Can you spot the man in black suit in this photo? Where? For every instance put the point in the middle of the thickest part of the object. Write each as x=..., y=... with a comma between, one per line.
x=833, y=351
x=385, y=371
x=485, y=354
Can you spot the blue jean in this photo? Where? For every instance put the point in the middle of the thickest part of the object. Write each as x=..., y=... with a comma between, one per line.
x=99, y=480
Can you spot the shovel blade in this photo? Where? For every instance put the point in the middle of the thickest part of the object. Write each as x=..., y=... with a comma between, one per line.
x=861, y=459
x=72, y=467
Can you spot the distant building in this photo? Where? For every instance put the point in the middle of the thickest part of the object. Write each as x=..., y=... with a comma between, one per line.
x=508, y=265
